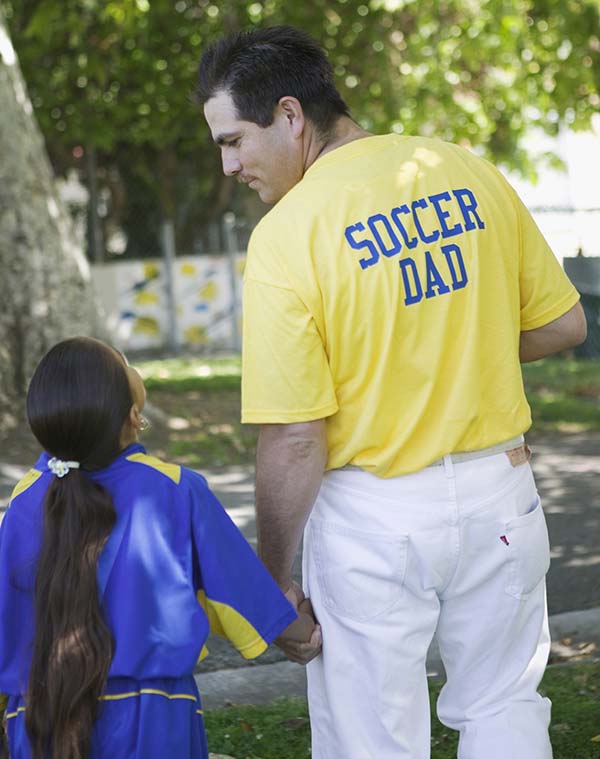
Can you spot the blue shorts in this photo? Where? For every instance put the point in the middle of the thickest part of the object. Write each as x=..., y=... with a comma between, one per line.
x=138, y=719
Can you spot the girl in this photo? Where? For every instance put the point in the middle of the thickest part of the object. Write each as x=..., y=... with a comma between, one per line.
x=113, y=566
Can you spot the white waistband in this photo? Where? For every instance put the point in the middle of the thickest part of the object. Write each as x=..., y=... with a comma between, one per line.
x=507, y=445
x=456, y=458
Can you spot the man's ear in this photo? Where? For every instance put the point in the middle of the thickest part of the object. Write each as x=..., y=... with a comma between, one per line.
x=291, y=110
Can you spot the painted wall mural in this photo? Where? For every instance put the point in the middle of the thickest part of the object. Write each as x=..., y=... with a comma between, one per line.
x=133, y=295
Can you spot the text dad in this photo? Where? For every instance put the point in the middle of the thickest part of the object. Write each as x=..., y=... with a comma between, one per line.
x=425, y=220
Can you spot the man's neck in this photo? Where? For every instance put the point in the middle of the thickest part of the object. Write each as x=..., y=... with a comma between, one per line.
x=345, y=131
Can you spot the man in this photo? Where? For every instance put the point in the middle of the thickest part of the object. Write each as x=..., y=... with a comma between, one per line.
x=389, y=298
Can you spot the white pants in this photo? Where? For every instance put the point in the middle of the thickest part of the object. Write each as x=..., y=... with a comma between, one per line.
x=461, y=548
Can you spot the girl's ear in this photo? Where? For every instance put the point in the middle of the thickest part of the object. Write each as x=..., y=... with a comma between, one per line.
x=135, y=417
x=131, y=426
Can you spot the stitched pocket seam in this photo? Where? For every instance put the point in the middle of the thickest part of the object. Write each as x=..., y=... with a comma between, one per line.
x=319, y=529
x=514, y=527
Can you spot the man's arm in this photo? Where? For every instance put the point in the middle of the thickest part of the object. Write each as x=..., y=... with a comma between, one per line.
x=568, y=330
x=290, y=461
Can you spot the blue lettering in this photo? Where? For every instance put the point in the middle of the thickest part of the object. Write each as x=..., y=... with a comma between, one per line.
x=415, y=296
x=411, y=242
x=360, y=244
x=468, y=209
x=434, y=279
x=422, y=203
x=443, y=215
x=396, y=244
x=387, y=234
x=448, y=250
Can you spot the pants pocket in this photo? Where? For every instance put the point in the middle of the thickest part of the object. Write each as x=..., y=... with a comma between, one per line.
x=360, y=574
x=529, y=551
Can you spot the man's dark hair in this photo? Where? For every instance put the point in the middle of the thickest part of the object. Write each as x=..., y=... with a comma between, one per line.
x=259, y=67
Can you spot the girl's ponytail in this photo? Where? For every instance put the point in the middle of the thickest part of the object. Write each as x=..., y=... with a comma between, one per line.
x=73, y=646
x=78, y=401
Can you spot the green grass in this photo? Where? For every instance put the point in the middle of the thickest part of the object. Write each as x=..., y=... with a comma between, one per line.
x=281, y=730
x=564, y=395
x=221, y=445
x=189, y=373
x=200, y=396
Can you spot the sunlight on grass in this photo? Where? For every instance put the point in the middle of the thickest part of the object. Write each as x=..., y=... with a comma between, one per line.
x=190, y=373
x=189, y=367
x=564, y=394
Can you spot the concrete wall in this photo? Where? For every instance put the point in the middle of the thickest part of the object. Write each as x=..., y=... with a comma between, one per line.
x=133, y=294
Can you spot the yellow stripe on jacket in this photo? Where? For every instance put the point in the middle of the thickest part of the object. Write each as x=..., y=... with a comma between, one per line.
x=228, y=623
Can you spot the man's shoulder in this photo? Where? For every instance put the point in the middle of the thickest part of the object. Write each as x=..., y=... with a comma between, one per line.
x=415, y=145
x=341, y=176
x=421, y=147
x=294, y=205
x=279, y=233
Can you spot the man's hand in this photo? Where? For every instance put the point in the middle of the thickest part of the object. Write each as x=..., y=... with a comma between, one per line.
x=290, y=462
x=294, y=594
x=302, y=640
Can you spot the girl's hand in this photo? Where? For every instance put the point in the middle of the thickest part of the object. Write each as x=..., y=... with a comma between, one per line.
x=302, y=641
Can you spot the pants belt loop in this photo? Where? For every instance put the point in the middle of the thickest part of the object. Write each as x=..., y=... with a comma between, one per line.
x=449, y=466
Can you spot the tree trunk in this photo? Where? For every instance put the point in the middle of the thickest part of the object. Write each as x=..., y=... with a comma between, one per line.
x=45, y=288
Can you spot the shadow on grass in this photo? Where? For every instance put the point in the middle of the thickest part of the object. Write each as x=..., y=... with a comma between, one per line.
x=282, y=729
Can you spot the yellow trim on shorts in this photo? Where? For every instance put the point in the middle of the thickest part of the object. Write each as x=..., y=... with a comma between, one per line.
x=14, y=714
x=134, y=694
x=149, y=692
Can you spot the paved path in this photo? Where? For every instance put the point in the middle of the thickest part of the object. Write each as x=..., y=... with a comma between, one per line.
x=573, y=634
x=567, y=471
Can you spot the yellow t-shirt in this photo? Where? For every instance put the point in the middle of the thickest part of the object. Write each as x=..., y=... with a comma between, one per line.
x=386, y=291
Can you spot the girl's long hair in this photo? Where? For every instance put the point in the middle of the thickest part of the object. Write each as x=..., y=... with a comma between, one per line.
x=78, y=400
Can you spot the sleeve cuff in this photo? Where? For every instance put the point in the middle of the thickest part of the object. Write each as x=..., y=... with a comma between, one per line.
x=278, y=416
x=260, y=645
x=550, y=314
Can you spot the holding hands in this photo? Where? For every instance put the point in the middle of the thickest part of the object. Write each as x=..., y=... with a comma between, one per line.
x=302, y=640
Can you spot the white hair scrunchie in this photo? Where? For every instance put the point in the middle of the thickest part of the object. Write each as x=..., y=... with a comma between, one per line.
x=60, y=467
